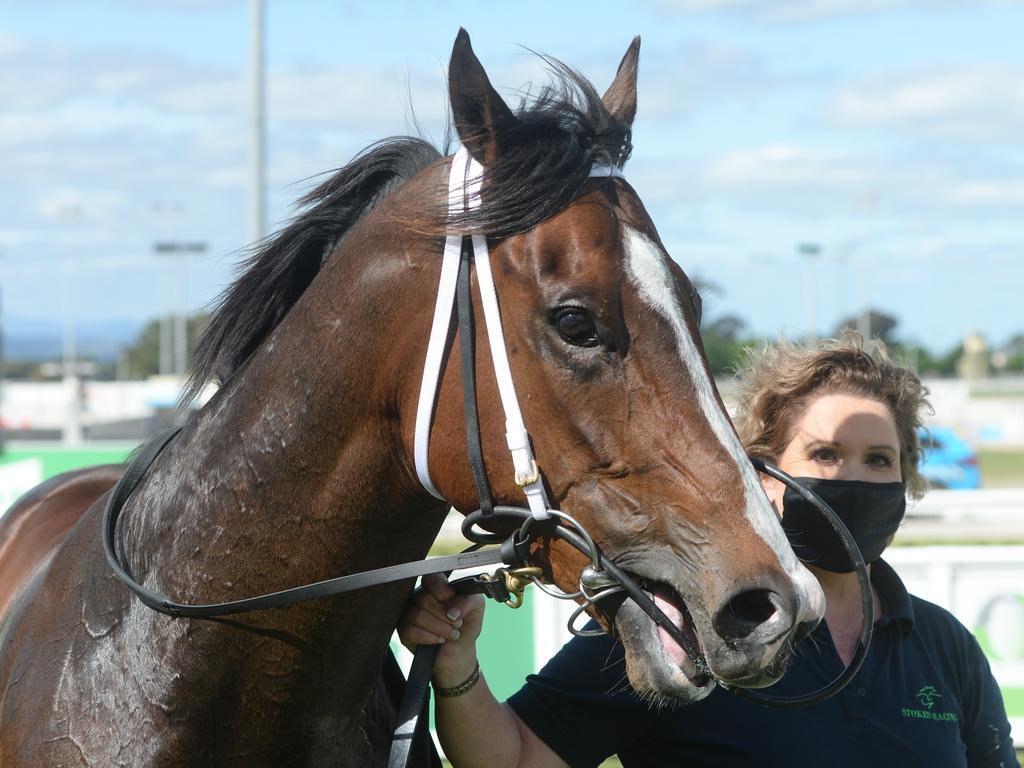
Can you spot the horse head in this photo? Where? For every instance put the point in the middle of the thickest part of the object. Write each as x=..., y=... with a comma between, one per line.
x=602, y=332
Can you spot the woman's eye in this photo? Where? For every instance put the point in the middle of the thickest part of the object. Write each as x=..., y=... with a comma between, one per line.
x=825, y=456
x=576, y=327
x=880, y=460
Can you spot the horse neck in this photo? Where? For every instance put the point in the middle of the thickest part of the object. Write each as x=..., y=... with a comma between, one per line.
x=296, y=471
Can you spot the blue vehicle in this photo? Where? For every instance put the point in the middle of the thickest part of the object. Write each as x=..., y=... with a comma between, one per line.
x=948, y=462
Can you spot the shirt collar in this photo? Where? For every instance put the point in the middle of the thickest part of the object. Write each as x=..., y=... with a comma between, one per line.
x=896, y=604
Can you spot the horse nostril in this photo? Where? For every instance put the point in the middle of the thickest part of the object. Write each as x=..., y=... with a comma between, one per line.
x=744, y=613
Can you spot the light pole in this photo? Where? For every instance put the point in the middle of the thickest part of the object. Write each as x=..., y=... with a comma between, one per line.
x=70, y=213
x=811, y=251
x=166, y=224
x=257, y=192
x=182, y=251
x=3, y=367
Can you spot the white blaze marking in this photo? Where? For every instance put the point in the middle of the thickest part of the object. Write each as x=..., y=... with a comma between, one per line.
x=646, y=266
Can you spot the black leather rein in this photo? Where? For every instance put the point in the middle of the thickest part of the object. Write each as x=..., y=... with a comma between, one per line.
x=113, y=548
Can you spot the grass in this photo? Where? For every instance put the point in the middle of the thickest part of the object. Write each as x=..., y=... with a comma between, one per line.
x=997, y=394
x=1001, y=469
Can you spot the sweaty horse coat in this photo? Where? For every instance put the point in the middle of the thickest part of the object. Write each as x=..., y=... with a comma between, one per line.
x=300, y=467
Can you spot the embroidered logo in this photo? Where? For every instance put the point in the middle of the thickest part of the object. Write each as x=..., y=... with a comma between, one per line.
x=927, y=696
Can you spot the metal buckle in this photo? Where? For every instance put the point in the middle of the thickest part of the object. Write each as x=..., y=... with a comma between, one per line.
x=516, y=580
x=523, y=479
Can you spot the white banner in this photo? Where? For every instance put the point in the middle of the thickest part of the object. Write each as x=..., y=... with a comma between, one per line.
x=16, y=479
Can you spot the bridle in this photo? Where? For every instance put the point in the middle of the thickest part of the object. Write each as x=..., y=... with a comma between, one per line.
x=599, y=580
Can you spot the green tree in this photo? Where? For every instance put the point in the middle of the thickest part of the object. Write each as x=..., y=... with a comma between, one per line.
x=723, y=345
x=142, y=358
x=722, y=334
x=1013, y=350
x=874, y=323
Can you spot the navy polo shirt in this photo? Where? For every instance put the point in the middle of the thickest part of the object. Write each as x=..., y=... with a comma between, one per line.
x=925, y=696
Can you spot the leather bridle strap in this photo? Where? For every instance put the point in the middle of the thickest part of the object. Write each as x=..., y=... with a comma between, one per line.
x=467, y=355
x=440, y=330
x=327, y=588
x=414, y=709
x=465, y=180
x=464, y=183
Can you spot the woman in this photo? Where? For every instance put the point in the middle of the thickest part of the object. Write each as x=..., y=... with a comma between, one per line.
x=845, y=422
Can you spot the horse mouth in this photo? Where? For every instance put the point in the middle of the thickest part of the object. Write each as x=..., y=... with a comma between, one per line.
x=672, y=604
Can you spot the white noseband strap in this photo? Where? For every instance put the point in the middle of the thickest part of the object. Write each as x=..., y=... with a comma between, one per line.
x=464, y=183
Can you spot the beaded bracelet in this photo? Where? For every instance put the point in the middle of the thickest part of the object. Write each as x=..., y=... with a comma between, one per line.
x=461, y=688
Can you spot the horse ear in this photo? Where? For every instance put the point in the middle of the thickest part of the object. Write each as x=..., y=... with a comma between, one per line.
x=481, y=118
x=620, y=98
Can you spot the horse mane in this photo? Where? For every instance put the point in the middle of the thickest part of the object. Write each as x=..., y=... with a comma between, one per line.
x=280, y=268
x=560, y=133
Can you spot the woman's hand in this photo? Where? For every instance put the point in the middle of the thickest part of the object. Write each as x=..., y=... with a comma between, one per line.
x=438, y=614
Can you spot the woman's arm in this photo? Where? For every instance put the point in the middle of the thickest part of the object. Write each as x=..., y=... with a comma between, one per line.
x=985, y=728
x=475, y=729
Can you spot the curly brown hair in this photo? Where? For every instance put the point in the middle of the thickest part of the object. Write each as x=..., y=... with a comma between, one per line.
x=778, y=382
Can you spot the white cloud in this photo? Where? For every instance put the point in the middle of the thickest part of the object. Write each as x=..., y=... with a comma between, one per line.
x=976, y=102
x=26, y=128
x=186, y=4
x=345, y=97
x=699, y=75
x=73, y=206
x=47, y=75
x=10, y=46
x=183, y=4
x=985, y=193
x=797, y=11
x=786, y=165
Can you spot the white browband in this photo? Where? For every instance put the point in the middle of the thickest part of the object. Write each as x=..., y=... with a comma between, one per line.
x=464, y=183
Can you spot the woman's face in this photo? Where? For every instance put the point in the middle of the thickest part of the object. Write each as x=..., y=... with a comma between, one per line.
x=842, y=437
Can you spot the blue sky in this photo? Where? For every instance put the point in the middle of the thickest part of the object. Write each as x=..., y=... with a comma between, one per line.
x=889, y=133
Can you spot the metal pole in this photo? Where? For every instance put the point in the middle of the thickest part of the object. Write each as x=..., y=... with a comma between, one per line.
x=258, y=176
x=3, y=368
x=165, y=344
x=181, y=324
x=72, y=422
x=811, y=251
x=72, y=389
x=177, y=322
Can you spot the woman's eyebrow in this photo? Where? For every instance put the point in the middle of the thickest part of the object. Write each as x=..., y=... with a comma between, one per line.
x=822, y=441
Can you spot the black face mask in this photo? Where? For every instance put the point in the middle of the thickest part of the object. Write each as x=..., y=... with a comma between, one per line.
x=872, y=512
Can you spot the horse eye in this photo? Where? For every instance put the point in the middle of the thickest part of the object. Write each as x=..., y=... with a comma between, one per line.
x=576, y=327
x=698, y=304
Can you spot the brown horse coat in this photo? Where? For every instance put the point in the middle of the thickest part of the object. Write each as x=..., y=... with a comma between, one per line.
x=300, y=467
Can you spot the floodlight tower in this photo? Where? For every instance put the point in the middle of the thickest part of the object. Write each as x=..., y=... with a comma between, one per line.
x=811, y=251
x=257, y=191
x=182, y=251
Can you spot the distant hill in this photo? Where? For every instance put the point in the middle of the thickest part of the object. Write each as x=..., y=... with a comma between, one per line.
x=34, y=339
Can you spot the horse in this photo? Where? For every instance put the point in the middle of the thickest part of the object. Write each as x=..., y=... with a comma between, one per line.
x=301, y=466
x=37, y=523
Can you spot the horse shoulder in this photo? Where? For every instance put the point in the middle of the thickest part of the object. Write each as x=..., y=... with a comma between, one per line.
x=38, y=523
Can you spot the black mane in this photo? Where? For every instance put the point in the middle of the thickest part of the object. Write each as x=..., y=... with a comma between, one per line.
x=560, y=133
x=281, y=267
